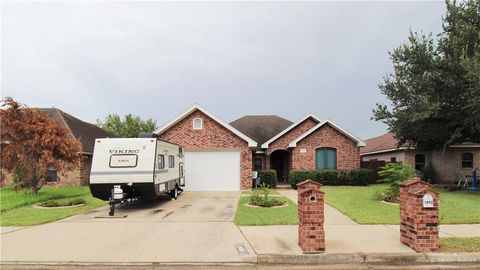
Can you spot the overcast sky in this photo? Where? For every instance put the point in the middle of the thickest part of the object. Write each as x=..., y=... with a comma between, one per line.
x=155, y=59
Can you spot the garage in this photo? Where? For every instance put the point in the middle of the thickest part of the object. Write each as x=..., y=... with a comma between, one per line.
x=212, y=170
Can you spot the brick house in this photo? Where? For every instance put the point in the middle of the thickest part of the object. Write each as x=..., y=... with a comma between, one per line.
x=86, y=133
x=456, y=159
x=231, y=151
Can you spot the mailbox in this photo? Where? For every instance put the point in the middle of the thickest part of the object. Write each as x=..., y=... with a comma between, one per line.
x=311, y=235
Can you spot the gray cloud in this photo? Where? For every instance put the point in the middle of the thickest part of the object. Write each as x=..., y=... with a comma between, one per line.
x=155, y=59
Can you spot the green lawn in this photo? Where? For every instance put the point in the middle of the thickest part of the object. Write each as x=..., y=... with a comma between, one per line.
x=17, y=207
x=460, y=244
x=357, y=202
x=266, y=216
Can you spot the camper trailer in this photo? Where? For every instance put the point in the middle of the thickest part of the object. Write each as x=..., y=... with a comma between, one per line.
x=127, y=169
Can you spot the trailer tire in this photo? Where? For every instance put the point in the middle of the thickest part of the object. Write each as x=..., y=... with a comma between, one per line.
x=174, y=193
x=112, y=210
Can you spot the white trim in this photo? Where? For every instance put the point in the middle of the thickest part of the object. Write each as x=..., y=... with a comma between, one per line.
x=384, y=151
x=251, y=143
x=265, y=145
x=412, y=148
x=466, y=145
x=360, y=143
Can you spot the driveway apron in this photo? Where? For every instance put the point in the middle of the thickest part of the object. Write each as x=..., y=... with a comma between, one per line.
x=198, y=227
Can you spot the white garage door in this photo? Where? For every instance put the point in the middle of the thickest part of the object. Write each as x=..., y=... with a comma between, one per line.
x=212, y=171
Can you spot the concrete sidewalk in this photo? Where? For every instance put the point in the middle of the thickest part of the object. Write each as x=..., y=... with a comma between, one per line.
x=342, y=235
x=333, y=216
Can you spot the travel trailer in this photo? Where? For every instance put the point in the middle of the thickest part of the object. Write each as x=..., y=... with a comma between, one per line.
x=127, y=169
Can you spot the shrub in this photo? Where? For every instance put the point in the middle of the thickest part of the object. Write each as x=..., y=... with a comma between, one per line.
x=429, y=174
x=297, y=176
x=394, y=173
x=355, y=177
x=268, y=178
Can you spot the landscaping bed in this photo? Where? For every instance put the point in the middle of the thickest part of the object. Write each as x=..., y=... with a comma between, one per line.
x=17, y=207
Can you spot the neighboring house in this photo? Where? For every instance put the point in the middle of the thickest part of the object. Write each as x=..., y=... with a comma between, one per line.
x=222, y=156
x=456, y=159
x=86, y=133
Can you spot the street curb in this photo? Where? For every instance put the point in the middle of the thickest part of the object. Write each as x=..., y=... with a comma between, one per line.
x=371, y=258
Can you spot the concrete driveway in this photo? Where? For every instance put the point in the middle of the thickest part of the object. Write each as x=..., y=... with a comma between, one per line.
x=198, y=227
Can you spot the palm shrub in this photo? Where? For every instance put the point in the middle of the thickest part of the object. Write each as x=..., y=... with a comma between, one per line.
x=394, y=173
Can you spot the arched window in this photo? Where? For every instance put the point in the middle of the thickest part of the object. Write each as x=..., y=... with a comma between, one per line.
x=419, y=162
x=326, y=158
x=467, y=160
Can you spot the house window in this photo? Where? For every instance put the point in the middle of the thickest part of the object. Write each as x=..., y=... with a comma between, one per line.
x=171, y=161
x=51, y=175
x=180, y=152
x=393, y=160
x=419, y=162
x=467, y=160
x=161, y=161
x=197, y=123
x=326, y=158
x=257, y=164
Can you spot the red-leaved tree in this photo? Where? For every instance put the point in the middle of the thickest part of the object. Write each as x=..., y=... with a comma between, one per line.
x=33, y=144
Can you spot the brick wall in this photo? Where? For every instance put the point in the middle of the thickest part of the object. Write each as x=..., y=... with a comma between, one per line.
x=348, y=154
x=311, y=234
x=418, y=225
x=447, y=163
x=211, y=137
x=285, y=139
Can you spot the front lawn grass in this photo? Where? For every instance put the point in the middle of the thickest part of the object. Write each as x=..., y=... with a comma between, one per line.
x=358, y=203
x=460, y=244
x=10, y=199
x=18, y=209
x=246, y=215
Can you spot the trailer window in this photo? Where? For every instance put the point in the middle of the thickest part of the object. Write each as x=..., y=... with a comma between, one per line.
x=171, y=161
x=123, y=161
x=161, y=162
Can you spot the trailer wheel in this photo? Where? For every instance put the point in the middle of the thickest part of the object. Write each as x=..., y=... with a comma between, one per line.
x=174, y=193
x=112, y=210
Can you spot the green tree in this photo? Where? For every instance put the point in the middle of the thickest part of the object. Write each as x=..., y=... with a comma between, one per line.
x=129, y=127
x=435, y=86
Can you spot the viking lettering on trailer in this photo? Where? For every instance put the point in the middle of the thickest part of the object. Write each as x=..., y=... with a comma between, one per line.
x=125, y=151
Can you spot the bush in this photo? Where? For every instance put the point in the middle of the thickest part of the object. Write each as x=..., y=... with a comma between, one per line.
x=394, y=173
x=260, y=198
x=355, y=177
x=297, y=176
x=64, y=202
x=429, y=174
x=268, y=178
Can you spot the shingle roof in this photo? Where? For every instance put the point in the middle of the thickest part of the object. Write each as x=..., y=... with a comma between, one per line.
x=261, y=127
x=81, y=130
x=384, y=142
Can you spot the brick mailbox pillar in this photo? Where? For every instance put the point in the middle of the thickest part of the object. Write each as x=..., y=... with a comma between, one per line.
x=311, y=236
x=418, y=216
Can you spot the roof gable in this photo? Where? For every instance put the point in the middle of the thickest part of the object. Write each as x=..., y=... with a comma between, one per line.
x=85, y=132
x=360, y=143
x=251, y=143
x=261, y=127
x=265, y=145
